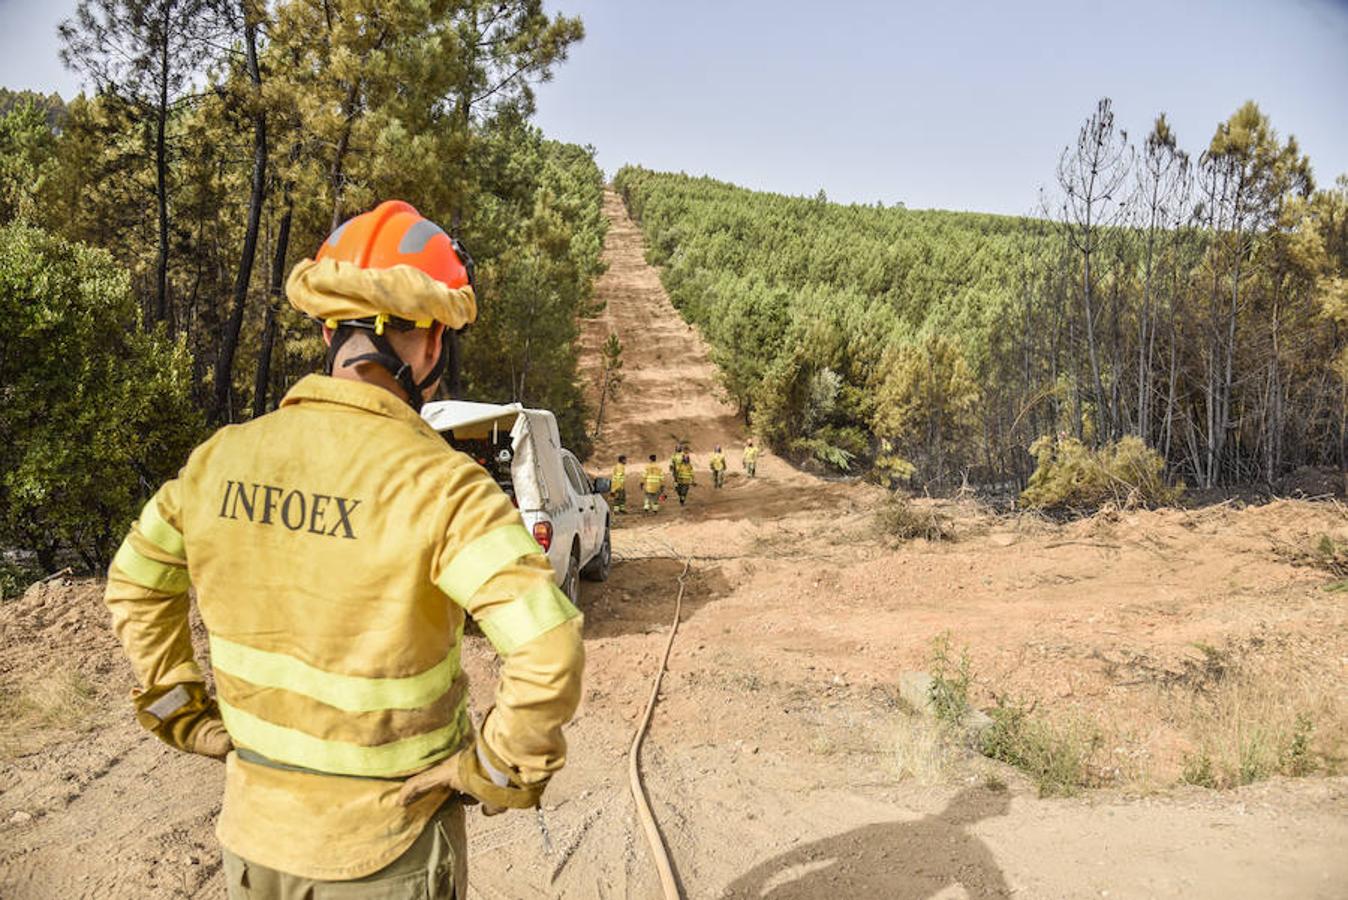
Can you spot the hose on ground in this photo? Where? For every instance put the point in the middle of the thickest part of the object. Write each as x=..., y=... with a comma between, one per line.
x=659, y=853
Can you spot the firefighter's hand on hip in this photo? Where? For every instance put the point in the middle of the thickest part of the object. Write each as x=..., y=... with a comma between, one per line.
x=211, y=739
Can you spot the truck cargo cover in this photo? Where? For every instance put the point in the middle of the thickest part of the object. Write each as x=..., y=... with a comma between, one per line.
x=540, y=481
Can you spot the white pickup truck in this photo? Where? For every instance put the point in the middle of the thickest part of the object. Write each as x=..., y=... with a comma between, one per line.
x=565, y=511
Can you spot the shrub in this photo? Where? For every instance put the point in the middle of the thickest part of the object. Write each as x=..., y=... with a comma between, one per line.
x=822, y=451
x=15, y=577
x=95, y=412
x=1199, y=771
x=1070, y=475
x=1056, y=757
x=891, y=469
x=950, y=682
x=901, y=518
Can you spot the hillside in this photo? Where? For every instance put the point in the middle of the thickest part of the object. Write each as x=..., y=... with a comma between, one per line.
x=941, y=345
x=782, y=761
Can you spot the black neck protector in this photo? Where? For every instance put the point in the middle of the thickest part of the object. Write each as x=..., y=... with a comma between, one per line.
x=386, y=356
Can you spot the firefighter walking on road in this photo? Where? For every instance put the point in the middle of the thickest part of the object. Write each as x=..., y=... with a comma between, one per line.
x=336, y=546
x=717, y=466
x=751, y=458
x=683, y=476
x=652, y=483
x=618, y=486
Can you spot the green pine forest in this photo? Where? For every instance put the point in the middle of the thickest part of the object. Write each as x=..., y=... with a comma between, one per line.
x=147, y=226
x=1183, y=312
x=1182, y=306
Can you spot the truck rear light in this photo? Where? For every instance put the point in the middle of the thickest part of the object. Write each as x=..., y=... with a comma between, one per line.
x=543, y=534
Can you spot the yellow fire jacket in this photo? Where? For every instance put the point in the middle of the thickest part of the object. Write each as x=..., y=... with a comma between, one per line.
x=683, y=472
x=326, y=541
x=751, y=454
x=717, y=462
x=654, y=479
x=619, y=480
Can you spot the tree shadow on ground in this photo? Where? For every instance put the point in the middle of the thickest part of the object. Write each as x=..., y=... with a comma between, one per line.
x=893, y=860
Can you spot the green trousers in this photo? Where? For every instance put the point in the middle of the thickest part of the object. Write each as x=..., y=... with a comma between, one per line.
x=435, y=867
x=620, y=500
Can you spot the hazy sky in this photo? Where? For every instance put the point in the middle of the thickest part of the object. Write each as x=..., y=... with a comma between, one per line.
x=958, y=104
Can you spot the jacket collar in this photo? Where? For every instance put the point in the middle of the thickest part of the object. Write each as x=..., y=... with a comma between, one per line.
x=355, y=394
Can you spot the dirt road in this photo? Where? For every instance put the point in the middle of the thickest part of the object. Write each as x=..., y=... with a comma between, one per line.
x=781, y=762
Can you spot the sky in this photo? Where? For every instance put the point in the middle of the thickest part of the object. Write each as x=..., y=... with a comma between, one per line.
x=962, y=104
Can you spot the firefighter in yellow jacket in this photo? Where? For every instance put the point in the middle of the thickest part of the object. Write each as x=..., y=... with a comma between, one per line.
x=652, y=484
x=751, y=458
x=336, y=546
x=683, y=476
x=717, y=466
x=618, y=485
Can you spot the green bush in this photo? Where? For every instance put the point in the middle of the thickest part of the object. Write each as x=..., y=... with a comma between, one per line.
x=94, y=412
x=950, y=682
x=15, y=577
x=1070, y=475
x=1056, y=757
x=823, y=451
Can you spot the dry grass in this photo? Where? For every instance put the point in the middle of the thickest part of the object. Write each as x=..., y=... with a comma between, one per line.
x=60, y=700
x=1321, y=551
x=926, y=751
x=1255, y=724
x=901, y=518
x=1241, y=716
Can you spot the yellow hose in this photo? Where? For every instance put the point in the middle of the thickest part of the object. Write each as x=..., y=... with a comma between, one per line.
x=668, y=884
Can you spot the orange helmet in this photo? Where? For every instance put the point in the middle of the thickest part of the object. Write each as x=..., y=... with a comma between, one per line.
x=395, y=234
x=387, y=268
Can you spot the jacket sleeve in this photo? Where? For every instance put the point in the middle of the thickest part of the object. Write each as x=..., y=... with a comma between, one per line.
x=493, y=568
x=147, y=596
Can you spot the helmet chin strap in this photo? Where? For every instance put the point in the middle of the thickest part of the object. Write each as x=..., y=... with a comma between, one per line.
x=387, y=357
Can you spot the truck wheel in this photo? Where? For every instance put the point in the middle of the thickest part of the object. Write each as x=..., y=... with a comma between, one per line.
x=571, y=582
x=599, y=567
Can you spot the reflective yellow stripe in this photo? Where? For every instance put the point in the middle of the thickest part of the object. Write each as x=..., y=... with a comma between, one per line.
x=347, y=692
x=288, y=745
x=159, y=532
x=535, y=612
x=475, y=564
x=150, y=573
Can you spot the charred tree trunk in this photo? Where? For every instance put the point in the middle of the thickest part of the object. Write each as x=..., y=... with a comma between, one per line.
x=229, y=340
x=262, y=383
x=161, y=310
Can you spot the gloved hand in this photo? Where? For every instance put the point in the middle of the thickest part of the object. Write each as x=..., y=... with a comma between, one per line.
x=211, y=739
x=443, y=776
x=463, y=774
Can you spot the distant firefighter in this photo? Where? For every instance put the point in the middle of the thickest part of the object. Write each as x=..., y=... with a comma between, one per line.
x=652, y=483
x=717, y=464
x=751, y=458
x=618, y=486
x=683, y=476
